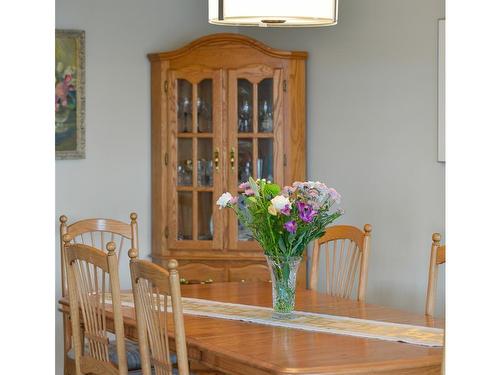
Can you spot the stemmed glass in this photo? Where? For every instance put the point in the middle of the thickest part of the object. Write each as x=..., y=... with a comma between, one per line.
x=266, y=117
x=186, y=111
x=203, y=113
x=244, y=117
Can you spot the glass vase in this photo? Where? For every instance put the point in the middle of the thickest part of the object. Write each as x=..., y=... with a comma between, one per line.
x=284, y=277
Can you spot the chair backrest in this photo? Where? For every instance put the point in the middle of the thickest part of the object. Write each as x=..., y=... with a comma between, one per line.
x=438, y=256
x=97, y=233
x=346, y=251
x=91, y=275
x=153, y=286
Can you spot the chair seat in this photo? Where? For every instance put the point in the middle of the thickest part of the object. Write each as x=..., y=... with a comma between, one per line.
x=133, y=354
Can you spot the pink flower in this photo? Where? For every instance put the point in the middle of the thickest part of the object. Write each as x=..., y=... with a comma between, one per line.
x=313, y=193
x=233, y=200
x=334, y=194
x=249, y=192
x=286, y=210
x=288, y=190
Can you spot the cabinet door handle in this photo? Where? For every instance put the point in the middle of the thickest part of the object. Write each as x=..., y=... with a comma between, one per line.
x=231, y=158
x=216, y=159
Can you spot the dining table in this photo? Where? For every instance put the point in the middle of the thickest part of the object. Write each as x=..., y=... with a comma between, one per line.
x=247, y=348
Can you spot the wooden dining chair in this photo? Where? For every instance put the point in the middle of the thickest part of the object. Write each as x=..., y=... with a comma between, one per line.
x=346, y=252
x=95, y=233
x=152, y=287
x=91, y=275
x=438, y=256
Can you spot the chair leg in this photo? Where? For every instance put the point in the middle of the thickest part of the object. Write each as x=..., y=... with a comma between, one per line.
x=69, y=364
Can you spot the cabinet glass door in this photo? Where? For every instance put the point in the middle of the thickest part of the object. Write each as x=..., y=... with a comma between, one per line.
x=254, y=136
x=195, y=146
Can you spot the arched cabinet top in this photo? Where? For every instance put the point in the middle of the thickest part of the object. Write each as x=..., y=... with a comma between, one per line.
x=220, y=39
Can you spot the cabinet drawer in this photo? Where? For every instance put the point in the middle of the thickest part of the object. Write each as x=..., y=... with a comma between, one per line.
x=248, y=273
x=197, y=273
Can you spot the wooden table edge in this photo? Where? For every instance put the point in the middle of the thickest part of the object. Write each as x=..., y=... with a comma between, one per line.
x=209, y=358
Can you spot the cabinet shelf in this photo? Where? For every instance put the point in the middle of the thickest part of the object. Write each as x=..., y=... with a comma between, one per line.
x=191, y=188
x=255, y=135
x=194, y=135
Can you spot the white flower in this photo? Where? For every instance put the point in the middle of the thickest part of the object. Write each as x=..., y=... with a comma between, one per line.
x=280, y=202
x=68, y=71
x=224, y=199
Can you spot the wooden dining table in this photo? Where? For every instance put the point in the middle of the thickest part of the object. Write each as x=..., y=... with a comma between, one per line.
x=235, y=347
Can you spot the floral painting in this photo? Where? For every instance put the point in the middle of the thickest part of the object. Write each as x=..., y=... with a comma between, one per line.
x=70, y=94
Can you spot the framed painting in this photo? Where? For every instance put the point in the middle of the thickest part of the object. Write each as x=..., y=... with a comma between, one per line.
x=70, y=94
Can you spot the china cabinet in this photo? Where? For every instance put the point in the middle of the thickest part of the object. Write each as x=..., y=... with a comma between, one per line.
x=224, y=108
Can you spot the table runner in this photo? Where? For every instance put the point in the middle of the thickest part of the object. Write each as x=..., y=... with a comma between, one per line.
x=308, y=321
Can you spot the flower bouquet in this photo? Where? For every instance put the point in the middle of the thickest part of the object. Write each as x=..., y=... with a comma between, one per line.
x=284, y=221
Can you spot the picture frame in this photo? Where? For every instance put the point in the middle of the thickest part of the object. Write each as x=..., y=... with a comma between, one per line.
x=70, y=94
x=441, y=91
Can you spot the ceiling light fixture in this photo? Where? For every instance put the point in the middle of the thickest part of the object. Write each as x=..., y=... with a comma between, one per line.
x=273, y=13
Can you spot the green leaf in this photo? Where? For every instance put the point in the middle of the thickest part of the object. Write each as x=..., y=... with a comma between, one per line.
x=282, y=245
x=272, y=189
x=252, y=199
x=298, y=242
x=254, y=187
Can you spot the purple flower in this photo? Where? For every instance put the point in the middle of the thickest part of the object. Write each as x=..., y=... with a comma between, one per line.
x=286, y=211
x=306, y=212
x=291, y=226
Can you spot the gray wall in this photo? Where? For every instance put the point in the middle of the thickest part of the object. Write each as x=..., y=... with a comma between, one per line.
x=372, y=132
x=371, y=122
